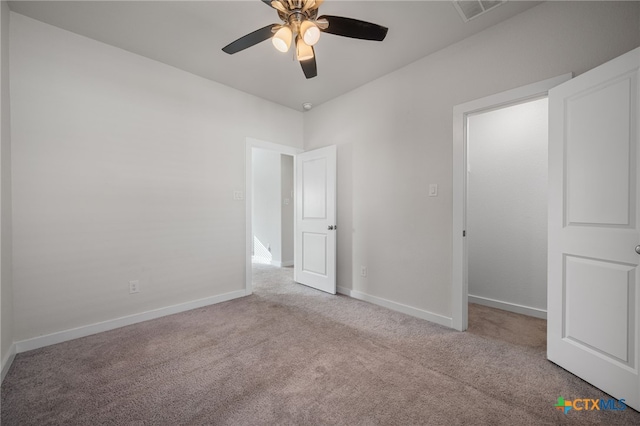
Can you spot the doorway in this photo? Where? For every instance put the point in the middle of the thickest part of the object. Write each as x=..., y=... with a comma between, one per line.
x=273, y=208
x=269, y=205
x=467, y=117
x=507, y=171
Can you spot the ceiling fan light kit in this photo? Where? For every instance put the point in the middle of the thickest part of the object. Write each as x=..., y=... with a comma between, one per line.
x=310, y=32
x=282, y=39
x=300, y=22
x=304, y=52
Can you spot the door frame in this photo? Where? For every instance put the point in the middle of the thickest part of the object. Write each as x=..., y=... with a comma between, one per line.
x=251, y=143
x=459, y=276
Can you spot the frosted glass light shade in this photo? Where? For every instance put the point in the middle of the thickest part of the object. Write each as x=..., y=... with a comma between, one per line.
x=304, y=51
x=310, y=32
x=282, y=39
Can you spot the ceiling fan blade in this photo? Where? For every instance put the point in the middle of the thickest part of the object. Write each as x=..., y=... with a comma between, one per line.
x=354, y=28
x=309, y=66
x=267, y=2
x=249, y=40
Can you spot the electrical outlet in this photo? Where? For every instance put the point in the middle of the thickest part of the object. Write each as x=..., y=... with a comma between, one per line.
x=134, y=286
x=363, y=271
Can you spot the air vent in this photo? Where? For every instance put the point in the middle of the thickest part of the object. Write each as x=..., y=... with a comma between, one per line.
x=472, y=9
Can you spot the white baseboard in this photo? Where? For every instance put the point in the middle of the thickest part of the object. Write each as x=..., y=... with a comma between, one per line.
x=87, y=330
x=507, y=306
x=395, y=306
x=8, y=360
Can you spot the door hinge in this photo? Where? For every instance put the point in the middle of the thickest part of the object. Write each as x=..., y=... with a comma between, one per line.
x=464, y=233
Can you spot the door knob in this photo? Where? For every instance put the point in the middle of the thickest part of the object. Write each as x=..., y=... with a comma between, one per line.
x=331, y=229
x=638, y=249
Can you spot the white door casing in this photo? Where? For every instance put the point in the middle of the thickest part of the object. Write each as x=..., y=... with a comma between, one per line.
x=594, y=227
x=315, y=225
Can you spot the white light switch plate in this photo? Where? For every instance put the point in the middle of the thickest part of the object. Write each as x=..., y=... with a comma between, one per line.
x=433, y=190
x=238, y=195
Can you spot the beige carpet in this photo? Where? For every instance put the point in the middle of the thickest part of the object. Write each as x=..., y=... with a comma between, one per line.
x=292, y=355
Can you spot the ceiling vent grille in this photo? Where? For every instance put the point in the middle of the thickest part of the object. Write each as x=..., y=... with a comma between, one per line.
x=472, y=9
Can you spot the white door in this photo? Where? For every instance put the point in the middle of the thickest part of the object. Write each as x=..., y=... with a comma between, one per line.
x=594, y=224
x=315, y=233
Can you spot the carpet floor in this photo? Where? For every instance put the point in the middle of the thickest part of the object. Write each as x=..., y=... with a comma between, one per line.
x=289, y=354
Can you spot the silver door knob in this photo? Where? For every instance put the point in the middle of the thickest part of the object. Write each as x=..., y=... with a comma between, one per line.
x=638, y=249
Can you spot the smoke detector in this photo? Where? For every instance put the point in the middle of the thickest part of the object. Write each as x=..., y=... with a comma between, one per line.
x=472, y=9
x=307, y=106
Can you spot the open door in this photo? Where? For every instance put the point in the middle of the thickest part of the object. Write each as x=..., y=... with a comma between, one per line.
x=315, y=230
x=594, y=227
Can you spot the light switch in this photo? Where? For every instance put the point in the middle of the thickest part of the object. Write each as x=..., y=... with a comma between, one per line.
x=433, y=190
x=238, y=195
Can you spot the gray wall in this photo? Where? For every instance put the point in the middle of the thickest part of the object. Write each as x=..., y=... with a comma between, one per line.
x=6, y=294
x=507, y=152
x=123, y=168
x=394, y=138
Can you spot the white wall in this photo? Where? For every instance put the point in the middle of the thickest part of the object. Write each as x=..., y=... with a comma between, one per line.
x=6, y=294
x=267, y=222
x=123, y=168
x=507, y=153
x=394, y=137
x=288, y=213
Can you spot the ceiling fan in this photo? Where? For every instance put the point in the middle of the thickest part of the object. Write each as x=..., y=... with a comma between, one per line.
x=300, y=22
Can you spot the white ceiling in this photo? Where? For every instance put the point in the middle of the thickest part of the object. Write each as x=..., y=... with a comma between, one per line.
x=190, y=34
